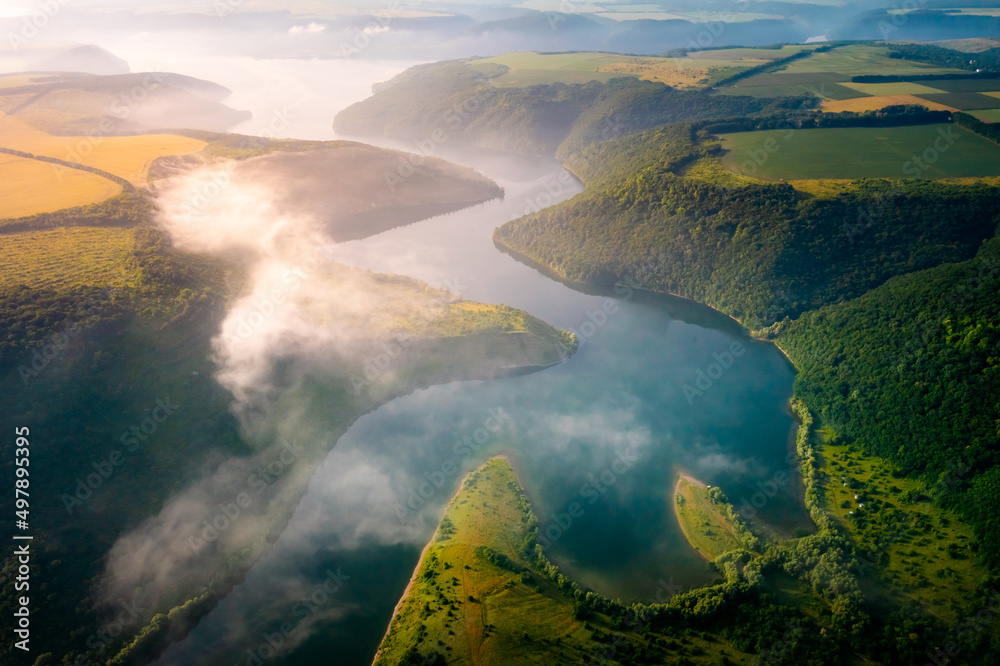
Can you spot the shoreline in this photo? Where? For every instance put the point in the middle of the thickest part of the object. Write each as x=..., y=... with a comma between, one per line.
x=683, y=476
x=583, y=287
x=423, y=553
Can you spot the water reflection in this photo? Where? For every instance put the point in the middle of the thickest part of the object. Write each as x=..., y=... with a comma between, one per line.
x=605, y=431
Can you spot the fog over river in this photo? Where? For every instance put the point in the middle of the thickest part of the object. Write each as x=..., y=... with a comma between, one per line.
x=607, y=430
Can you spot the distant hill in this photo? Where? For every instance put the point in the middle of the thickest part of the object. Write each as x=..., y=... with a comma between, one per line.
x=457, y=100
x=89, y=59
x=49, y=57
x=74, y=103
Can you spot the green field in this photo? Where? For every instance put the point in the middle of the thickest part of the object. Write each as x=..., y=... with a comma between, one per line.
x=837, y=67
x=748, y=54
x=475, y=598
x=963, y=101
x=922, y=550
x=967, y=85
x=701, y=519
x=900, y=88
x=861, y=60
x=859, y=153
x=822, y=89
x=987, y=115
x=527, y=68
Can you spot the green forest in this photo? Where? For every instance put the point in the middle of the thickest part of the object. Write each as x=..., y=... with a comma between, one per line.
x=886, y=297
x=453, y=101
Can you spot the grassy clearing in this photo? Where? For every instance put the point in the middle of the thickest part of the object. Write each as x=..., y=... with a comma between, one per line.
x=706, y=528
x=921, y=549
x=125, y=156
x=859, y=152
x=880, y=102
x=72, y=256
x=710, y=170
x=860, y=60
x=28, y=187
x=527, y=68
x=475, y=599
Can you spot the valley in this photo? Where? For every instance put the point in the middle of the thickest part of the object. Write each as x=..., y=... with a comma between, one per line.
x=568, y=343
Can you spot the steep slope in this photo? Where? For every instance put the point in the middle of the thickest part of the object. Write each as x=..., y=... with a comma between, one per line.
x=111, y=353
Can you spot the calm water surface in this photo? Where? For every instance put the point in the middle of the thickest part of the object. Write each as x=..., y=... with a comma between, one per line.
x=608, y=430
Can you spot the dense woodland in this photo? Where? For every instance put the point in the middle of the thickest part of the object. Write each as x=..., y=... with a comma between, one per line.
x=759, y=251
x=911, y=372
x=80, y=360
x=456, y=101
x=988, y=130
x=886, y=296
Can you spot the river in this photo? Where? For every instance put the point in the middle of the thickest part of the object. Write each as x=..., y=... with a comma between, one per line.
x=608, y=429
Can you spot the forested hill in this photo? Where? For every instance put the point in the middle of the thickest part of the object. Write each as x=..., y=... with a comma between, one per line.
x=911, y=372
x=884, y=294
x=758, y=251
x=455, y=102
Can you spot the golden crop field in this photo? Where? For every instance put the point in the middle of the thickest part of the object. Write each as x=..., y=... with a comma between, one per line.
x=880, y=101
x=125, y=156
x=28, y=187
x=63, y=257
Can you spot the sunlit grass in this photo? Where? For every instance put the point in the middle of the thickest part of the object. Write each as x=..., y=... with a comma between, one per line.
x=921, y=549
x=701, y=520
x=29, y=186
x=126, y=156
x=56, y=258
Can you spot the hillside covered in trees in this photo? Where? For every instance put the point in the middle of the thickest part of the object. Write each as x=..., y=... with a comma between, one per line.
x=454, y=101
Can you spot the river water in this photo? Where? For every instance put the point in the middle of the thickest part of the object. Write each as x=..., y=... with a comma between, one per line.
x=607, y=430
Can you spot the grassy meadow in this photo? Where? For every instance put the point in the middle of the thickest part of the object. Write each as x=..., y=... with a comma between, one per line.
x=701, y=519
x=921, y=550
x=859, y=152
x=475, y=599
x=527, y=68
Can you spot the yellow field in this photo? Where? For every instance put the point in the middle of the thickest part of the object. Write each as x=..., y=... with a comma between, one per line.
x=29, y=186
x=63, y=257
x=125, y=156
x=875, y=103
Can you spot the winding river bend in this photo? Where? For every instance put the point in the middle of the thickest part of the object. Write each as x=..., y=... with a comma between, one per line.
x=609, y=429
